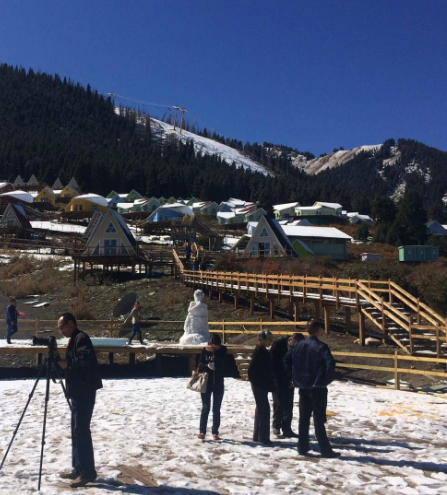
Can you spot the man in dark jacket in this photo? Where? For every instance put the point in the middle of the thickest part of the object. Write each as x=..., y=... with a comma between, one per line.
x=283, y=395
x=313, y=369
x=11, y=320
x=82, y=380
x=262, y=380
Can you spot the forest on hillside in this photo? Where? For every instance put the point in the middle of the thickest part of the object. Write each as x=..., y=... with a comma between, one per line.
x=53, y=127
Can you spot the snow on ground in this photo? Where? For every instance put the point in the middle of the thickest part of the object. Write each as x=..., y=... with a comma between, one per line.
x=58, y=227
x=391, y=442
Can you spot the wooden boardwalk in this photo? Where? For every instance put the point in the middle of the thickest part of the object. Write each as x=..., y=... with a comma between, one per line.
x=395, y=313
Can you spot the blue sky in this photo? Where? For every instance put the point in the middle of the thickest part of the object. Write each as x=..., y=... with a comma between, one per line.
x=314, y=75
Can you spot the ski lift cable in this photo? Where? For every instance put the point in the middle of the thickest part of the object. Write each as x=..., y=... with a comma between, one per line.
x=145, y=103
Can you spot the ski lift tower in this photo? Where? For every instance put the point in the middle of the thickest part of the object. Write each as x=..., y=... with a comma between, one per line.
x=182, y=121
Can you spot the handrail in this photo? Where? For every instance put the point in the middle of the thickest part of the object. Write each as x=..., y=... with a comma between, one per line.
x=409, y=296
x=392, y=312
x=178, y=261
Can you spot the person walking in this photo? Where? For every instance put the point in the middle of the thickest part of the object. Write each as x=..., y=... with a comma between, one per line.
x=187, y=251
x=313, y=369
x=212, y=361
x=82, y=381
x=135, y=315
x=261, y=376
x=11, y=320
x=283, y=395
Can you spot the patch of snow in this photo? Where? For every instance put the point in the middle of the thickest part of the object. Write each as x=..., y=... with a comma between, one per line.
x=58, y=227
x=337, y=158
x=399, y=191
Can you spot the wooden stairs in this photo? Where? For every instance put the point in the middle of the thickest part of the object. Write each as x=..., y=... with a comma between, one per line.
x=405, y=320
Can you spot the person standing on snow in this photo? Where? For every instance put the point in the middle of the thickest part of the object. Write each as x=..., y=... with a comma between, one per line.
x=313, y=369
x=283, y=395
x=262, y=380
x=212, y=361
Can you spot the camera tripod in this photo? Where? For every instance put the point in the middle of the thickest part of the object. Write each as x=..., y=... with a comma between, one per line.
x=50, y=365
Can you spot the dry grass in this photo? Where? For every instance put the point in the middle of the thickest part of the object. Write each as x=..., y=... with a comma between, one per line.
x=42, y=282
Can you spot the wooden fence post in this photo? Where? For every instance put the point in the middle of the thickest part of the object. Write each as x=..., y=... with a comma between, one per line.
x=327, y=326
x=36, y=327
x=111, y=328
x=223, y=332
x=396, y=372
x=361, y=328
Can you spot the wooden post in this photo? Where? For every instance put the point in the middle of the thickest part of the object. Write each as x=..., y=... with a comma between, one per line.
x=361, y=328
x=327, y=326
x=220, y=296
x=36, y=327
x=223, y=331
x=111, y=328
x=396, y=372
x=252, y=305
x=348, y=319
x=110, y=357
x=132, y=358
x=271, y=308
x=418, y=314
x=438, y=343
x=296, y=310
x=235, y=301
x=410, y=331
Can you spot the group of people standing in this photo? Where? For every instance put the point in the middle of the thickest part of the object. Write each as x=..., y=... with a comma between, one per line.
x=292, y=362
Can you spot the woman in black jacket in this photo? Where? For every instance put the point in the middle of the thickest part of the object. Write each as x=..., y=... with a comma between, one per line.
x=260, y=374
x=212, y=361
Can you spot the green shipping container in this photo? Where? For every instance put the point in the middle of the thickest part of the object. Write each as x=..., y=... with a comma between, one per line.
x=418, y=253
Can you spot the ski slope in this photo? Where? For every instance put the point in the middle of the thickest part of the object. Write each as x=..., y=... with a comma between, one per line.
x=206, y=146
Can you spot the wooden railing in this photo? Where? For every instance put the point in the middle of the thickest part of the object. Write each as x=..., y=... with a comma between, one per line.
x=225, y=328
x=382, y=295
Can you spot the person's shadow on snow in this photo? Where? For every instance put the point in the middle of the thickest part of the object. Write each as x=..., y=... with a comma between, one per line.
x=421, y=465
x=133, y=488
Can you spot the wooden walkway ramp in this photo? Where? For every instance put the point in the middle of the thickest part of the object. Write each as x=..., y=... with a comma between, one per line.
x=395, y=313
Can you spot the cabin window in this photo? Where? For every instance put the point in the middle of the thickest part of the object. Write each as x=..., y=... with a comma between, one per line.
x=264, y=233
x=123, y=249
x=110, y=228
x=110, y=247
x=96, y=250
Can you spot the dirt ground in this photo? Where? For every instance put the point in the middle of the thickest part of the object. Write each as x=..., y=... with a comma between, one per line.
x=164, y=298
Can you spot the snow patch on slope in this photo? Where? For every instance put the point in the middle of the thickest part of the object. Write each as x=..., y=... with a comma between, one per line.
x=336, y=159
x=205, y=146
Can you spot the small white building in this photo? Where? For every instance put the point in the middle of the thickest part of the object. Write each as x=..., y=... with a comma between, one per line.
x=285, y=210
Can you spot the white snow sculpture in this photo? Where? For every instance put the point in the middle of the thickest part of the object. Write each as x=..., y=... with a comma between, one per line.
x=196, y=323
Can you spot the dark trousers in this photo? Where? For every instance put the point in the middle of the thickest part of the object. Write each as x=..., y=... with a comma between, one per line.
x=261, y=432
x=313, y=401
x=217, y=390
x=136, y=332
x=11, y=329
x=82, y=447
x=283, y=409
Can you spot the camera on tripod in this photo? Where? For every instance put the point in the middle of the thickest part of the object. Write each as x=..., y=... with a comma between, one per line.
x=50, y=342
